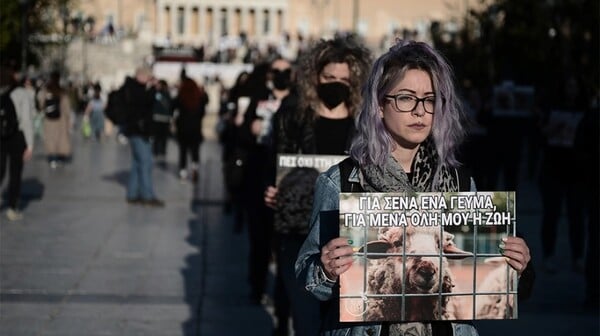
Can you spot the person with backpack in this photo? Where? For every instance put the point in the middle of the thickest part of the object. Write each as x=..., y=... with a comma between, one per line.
x=409, y=129
x=56, y=108
x=137, y=101
x=16, y=137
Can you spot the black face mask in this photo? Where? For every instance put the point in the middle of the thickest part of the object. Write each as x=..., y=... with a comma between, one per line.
x=281, y=79
x=333, y=94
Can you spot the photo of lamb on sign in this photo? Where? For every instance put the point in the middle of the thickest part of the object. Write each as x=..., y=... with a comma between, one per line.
x=409, y=277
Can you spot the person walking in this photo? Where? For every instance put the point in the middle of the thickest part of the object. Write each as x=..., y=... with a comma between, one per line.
x=162, y=114
x=94, y=112
x=330, y=77
x=563, y=114
x=190, y=106
x=56, y=107
x=138, y=94
x=255, y=137
x=16, y=137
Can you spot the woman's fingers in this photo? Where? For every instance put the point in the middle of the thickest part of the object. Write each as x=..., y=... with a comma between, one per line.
x=336, y=256
x=270, y=197
x=517, y=253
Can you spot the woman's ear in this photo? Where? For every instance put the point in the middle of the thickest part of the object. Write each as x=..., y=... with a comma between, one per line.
x=380, y=112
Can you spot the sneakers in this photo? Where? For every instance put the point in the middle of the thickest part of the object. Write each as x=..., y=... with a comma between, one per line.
x=14, y=215
x=183, y=174
x=156, y=203
x=134, y=201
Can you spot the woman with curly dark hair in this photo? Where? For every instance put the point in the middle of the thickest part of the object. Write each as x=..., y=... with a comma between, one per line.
x=330, y=77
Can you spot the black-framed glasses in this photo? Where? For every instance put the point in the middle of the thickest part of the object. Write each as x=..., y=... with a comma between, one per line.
x=408, y=103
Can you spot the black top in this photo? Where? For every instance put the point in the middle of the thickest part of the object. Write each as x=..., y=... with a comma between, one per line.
x=331, y=135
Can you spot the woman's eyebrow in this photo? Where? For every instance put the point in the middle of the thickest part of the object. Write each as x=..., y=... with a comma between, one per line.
x=415, y=92
x=329, y=76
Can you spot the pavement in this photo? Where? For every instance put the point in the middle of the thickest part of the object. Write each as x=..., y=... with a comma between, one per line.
x=84, y=262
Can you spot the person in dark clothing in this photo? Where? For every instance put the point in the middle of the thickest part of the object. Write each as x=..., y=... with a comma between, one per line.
x=556, y=185
x=162, y=112
x=139, y=100
x=16, y=138
x=190, y=106
x=234, y=155
x=330, y=77
x=587, y=151
x=256, y=138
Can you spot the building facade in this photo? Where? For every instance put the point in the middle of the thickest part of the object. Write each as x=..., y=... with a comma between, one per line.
x=201, y=22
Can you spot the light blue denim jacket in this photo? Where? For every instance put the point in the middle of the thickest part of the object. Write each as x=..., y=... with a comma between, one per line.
x=309, y=269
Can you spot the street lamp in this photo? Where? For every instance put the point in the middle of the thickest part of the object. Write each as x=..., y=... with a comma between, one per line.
x=23, y=4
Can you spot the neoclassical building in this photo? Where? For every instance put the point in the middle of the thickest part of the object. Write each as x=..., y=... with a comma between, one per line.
x=208, y=21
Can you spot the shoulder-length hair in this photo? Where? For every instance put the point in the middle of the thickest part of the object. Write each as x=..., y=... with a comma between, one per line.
x=189, y=95
x=372, y=143
x=341, y=49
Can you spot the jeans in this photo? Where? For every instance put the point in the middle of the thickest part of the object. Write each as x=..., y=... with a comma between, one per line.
x=140, y=176
x=305, y=308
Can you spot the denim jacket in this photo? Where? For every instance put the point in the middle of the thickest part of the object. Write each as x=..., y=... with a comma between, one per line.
x=309, y=269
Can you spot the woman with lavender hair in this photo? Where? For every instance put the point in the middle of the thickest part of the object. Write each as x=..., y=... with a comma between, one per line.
x=408, y=132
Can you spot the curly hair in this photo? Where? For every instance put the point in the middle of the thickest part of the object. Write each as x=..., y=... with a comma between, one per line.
x=341, y=49
x=373, y=144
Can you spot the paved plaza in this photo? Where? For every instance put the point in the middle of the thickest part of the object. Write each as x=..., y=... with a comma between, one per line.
x=84, y=262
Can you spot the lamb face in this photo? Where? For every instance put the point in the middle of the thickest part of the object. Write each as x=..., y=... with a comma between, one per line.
x=413, y=269
x=423, y=271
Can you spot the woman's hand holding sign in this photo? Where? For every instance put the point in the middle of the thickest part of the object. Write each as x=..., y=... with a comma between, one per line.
x=336, y=257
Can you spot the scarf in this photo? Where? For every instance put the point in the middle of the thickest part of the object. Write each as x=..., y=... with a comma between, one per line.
x=391, y=178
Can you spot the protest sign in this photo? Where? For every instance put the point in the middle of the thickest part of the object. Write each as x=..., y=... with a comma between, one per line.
x=511, y=100
x=427, y=256
x=295, y=180
x=561, y=128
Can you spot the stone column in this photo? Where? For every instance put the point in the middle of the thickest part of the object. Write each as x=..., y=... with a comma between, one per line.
x=201, y=23
x=216, y=29
x=231, y=21
x=187, y=15
x=244, y=19
x=160, y=19
x=258, y=17
x=272, y=22
x=283, y=19
x=173, y=27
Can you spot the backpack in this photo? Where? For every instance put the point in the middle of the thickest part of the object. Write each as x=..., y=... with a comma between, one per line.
x=295, y=199
x=161, y=110
x=116, y=109
x=9, y=124
x=52, y=106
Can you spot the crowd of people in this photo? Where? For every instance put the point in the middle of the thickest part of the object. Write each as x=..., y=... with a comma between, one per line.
x=402, y=121
x=408, y=111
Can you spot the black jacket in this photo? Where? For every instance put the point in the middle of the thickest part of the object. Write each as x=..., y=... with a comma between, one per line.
x=295, y=133
x=139, y=102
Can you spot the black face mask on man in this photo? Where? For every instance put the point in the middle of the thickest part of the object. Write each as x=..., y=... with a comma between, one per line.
x=281, y=79
x=333, y=94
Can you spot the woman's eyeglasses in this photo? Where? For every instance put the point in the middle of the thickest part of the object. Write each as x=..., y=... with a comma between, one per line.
x=408, y=103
